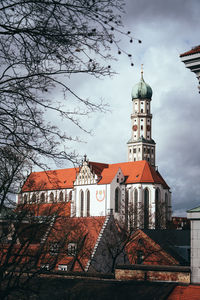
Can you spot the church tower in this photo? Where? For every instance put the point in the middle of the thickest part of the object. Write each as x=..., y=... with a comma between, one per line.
x=141, y=146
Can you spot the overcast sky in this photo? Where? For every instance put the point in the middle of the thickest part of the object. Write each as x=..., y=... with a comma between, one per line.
x=167, y=29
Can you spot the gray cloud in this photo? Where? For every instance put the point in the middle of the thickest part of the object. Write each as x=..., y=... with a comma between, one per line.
x=167, y=28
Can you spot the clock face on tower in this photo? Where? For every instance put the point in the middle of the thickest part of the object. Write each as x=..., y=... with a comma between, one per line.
x=148, y=127
x=134, y=127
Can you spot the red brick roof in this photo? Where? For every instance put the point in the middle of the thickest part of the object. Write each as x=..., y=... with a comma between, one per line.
x=190, y=292
x=135, y=172
x=192, y=51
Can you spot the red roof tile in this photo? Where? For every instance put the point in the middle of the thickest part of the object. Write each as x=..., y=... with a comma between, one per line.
x=135, y=172
x=190, y=292
x=49, y=180
x=75, y=229
x=192, y=51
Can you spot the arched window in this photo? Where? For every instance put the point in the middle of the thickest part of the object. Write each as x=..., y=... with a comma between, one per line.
x=82, y=201
x=157, y=209
x=88, y=203
x=70, y=195
x=117, y=197
x=166, y=208
x=146, y=208
x=25, y=199
x=135, y=208
x=33, y=199
x=51, y=197
x=61, y=196
x=42, y=198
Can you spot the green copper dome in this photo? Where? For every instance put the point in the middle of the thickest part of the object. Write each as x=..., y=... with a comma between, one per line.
x=141, y=90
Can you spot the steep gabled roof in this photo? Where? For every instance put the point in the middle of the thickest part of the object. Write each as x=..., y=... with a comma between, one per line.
x=49, y=180
x=192, y=51
x=134, y=172
x=78, y=230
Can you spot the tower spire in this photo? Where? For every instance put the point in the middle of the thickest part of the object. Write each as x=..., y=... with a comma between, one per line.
x=142, y=71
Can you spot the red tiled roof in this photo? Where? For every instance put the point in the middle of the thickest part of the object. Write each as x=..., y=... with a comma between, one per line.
x=192, y=51
x=190, y=292
x=49, y=180
x=75, y=229
x=135, y=172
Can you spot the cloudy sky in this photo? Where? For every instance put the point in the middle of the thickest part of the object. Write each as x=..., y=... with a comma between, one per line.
x=167, y=29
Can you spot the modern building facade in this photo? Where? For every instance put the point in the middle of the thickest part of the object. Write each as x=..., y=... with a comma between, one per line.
x=191, y=59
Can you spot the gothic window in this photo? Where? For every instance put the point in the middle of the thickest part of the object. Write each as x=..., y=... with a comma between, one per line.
x=70, y=195
x=42, y=197
x=61, y=196
x=146, y=208
x=51, y=197
x=25, y=199
x=88, y=203
x=135, y=208
x=82, y=199
x=157, y=209
x=33, y=199
x=117, y=196
x=72, y=249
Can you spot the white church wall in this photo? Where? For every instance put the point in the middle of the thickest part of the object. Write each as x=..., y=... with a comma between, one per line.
x=98, y=199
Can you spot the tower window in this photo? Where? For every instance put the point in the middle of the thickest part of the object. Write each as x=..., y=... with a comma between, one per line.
x=147, y=111
x=141, y=102
x=148, y=136
x=138, y=149
x=130, y=151
x=142, y=110
x=141, y=127
x=141, y=120
x=152, y=150
x=134, y=150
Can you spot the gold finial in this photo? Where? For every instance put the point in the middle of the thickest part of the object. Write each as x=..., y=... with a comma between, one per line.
x=142, y=71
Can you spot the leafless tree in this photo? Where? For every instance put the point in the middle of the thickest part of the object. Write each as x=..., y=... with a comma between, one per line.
x=42, y=45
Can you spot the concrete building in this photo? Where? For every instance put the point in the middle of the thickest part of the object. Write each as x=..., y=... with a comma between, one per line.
x=191, y=59
x=194, y=216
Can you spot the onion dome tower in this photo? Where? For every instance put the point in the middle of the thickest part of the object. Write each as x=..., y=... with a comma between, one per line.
x=141, y=146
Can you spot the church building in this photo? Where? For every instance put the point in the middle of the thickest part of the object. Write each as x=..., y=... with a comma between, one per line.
x=134, y=191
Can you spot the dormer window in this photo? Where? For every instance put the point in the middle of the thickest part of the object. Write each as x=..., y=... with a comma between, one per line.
x=72, y=248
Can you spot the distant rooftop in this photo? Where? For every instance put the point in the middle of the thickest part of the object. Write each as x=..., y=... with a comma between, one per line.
x=196, y=209
x=194, y=50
